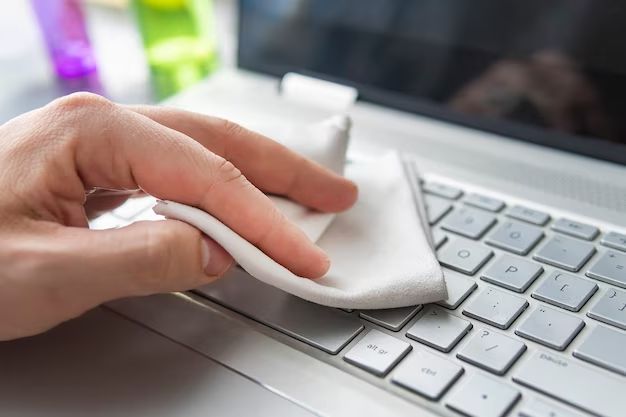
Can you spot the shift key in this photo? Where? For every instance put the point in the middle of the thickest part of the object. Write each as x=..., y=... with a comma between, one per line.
x=574, y=383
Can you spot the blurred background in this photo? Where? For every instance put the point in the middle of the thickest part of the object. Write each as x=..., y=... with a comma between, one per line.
x=131, y=51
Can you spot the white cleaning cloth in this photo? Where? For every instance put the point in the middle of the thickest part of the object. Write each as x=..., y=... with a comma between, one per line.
x=379, y=249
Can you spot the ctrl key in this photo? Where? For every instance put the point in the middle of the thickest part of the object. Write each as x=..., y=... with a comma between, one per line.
x=426, y=374
x=481, y=396
x=377, y=352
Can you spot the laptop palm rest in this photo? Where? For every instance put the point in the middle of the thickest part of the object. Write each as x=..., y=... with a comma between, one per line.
x=102, y=364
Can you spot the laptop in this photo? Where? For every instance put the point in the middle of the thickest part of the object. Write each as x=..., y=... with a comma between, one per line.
x=512, y=112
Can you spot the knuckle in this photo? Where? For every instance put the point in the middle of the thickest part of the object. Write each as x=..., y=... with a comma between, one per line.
x=227, y=172
x=159, y=243
x=37, y=274
x=31, y=259
x=81, y=101
x=25, y=260
x=275, y=223
x=231, y=128
x=70, y=114
x=165, y=248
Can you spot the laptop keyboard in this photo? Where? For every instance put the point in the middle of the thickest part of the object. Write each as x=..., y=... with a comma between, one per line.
x=522, y=287
x=534, y=323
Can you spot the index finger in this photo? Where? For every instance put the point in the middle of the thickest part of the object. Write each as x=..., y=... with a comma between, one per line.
x=271, y=166
x=116, y=148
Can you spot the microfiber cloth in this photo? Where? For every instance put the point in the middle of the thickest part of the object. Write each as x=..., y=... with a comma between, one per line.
x=380, y=250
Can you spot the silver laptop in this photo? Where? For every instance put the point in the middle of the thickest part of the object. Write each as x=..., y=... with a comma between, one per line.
x=513, y=114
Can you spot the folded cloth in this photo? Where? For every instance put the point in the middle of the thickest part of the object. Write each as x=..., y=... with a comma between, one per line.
x=379, y=249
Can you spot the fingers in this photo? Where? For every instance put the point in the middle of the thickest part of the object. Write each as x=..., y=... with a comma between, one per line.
x=142, y=258
x=269, y=165
x=63, y=272
x=119, y=148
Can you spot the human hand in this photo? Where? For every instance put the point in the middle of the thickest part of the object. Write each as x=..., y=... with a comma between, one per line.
x=53, y=158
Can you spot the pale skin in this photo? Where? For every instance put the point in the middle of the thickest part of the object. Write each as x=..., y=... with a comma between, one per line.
x=58, y=165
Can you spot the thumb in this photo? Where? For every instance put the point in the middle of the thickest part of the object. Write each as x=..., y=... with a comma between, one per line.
x=61, y=272
x=142, y=258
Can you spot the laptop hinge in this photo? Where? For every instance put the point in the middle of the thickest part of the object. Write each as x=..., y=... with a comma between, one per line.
x=316, y=92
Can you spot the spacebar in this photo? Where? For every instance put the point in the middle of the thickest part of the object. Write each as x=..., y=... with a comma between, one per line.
x=325, y=328
x=574, y=383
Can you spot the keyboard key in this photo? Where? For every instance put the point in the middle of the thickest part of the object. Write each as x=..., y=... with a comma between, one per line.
x=565, y=290
x=468, y=222
x=564, y=252
x=550, y=327
x=611, y=268
x=484, y=202
x=515, y=237
x=439, y=238
x=464, y=256
x=459, y=288
x=393, y=318
x=611, y=308
x=614, y=240
x=442, y=190
x=528, y=215
x=325, y=328
x=541, y=408
x=436, y=208
x=438, y=329
x=576, y=229
x=574, y=383
x=495, y=307
x=604, y=347
x=426, y=374
x=492, y=351
x=481, y=396
x=512, y=273
x=377, y=352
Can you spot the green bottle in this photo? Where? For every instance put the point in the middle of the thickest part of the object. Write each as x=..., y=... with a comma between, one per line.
x=179, y=41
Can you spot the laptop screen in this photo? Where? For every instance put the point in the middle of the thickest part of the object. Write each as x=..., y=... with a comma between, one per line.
x=550, y=72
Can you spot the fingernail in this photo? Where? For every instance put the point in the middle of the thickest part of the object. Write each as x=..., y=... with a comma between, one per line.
x=215, y=260
x=324, y=265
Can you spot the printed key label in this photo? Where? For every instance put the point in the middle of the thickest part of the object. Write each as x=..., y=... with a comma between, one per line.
x=377, y=349
x=429, y=372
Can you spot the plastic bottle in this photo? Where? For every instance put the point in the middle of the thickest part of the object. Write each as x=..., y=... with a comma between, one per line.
x=62, y=24
x=179, y=41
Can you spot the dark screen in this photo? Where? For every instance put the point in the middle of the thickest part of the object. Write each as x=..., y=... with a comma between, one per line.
x=551, y=72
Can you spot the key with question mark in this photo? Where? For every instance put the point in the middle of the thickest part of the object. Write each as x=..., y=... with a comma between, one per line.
x=492, y=351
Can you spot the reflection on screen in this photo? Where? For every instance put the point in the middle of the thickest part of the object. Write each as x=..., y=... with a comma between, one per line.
x=558, y=65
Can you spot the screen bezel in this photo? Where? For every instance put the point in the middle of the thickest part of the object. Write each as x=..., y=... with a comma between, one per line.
x=593, y=147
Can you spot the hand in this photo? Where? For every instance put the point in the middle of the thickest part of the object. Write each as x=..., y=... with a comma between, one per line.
x=55, y=268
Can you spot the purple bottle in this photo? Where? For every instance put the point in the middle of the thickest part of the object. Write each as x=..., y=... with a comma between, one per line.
x=63, y=26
